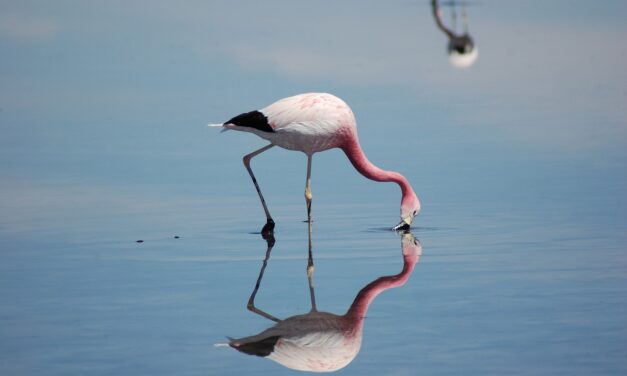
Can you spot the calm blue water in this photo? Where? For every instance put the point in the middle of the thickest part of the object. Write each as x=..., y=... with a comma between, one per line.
x=519, y=159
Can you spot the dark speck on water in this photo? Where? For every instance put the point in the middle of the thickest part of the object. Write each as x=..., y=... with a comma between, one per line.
x=139, y=241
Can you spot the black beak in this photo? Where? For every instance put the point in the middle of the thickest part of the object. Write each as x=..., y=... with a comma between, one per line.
x=403, y=226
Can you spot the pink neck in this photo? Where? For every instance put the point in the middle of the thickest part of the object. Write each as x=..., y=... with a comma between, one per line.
x=355, y=154
x=358, y=309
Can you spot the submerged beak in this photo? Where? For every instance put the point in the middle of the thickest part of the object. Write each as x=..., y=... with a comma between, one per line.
x=404, y=225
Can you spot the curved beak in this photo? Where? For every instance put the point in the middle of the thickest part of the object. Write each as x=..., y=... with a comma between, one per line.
x=403, y=225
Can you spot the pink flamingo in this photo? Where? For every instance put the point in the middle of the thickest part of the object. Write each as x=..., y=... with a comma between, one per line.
x=322, y=341
x=311, y=123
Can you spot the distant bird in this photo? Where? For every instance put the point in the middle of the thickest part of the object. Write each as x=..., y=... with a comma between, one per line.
x=462, y=51
x=311, y=123
x=322, y=341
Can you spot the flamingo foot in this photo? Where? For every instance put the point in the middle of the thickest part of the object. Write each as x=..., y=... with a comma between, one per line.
x=268, y=228
x=269, y=238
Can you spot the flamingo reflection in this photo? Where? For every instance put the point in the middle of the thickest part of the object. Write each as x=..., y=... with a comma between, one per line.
x=321, y=341
x=461, y=48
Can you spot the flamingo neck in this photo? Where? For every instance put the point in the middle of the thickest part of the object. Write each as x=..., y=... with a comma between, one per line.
x=356, y=156
x=358, y=309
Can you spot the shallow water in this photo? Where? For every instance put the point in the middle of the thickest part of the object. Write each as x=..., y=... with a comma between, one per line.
x=519, y=161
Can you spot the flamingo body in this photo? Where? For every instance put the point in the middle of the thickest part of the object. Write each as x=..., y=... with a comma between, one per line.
x=317, y=341
x=311, y=123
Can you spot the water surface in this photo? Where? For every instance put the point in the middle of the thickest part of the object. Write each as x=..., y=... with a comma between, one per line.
x=519, y=160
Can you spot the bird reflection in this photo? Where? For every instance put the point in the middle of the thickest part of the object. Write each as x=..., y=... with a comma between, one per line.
x=461, y=48
x=321, y=341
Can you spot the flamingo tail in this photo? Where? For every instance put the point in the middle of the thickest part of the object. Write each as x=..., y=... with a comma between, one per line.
x=222, y=344
x=224, y=129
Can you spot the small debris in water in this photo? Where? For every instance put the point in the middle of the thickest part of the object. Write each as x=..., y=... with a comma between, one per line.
x=176, y=237
x=139, y=241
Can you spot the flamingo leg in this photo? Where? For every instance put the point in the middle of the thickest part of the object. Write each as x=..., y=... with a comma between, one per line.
x=465, y=17
x=251, y=301
x=308, y=195
x=269, y=226
x=310, y=272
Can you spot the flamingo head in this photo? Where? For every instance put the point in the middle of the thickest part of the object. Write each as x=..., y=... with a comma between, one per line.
x=411, y=246
x=410, y=207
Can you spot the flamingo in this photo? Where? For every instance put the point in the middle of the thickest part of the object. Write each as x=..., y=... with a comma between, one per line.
x=462, y=50
x=322, y=341
x=311, y=123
